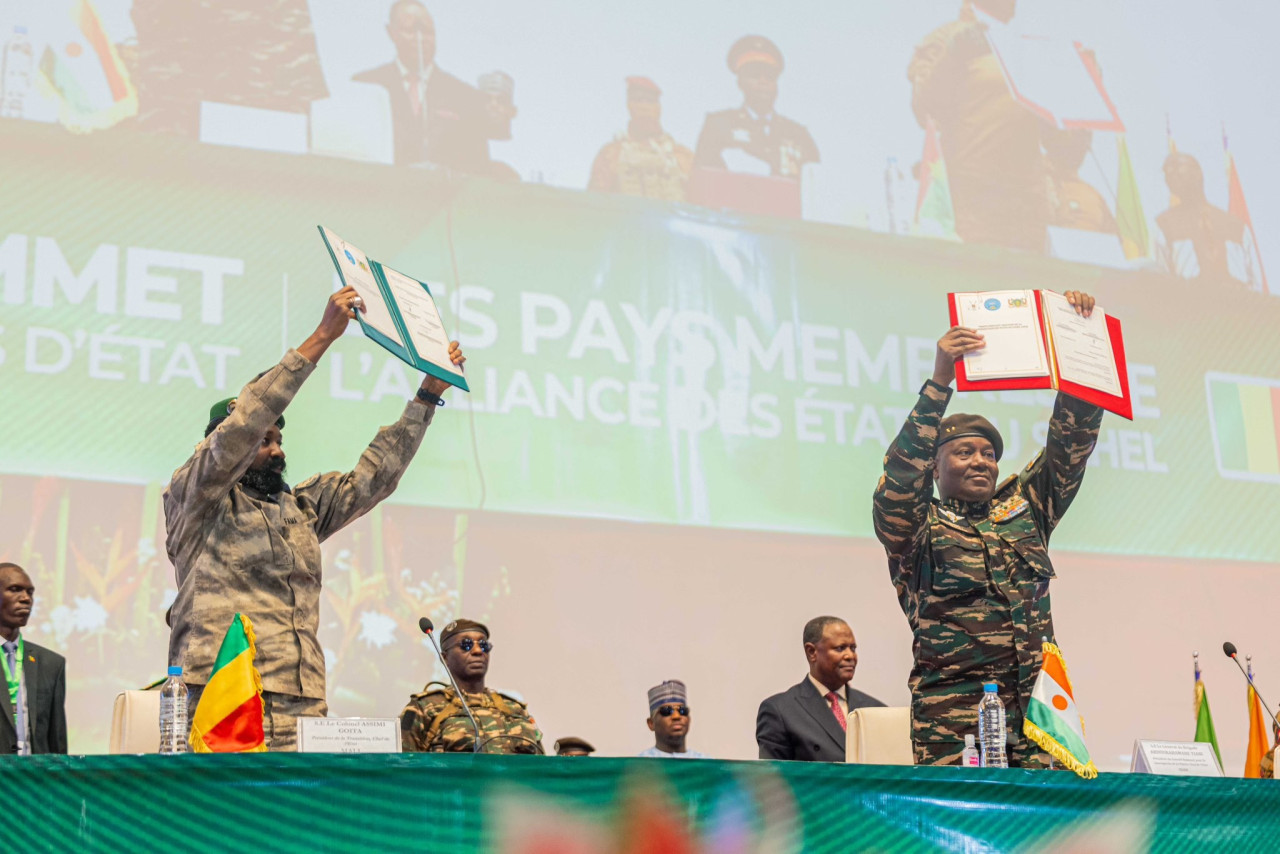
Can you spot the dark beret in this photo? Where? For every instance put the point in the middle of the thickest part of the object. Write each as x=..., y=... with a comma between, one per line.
x=572, y=742
x=223, y=408
x=459, y=626
x=963, y=424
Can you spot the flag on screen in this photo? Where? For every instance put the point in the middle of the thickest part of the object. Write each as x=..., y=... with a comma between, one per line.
x=1237, y=206
x=1246, y=426
x=934, y=213
x=229, y=716
x=81, y=71
x=1130, y=218
x=1258, y=745
x=1052, y=719
x=1204, y=720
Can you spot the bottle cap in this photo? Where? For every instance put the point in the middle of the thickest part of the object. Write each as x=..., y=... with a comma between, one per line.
x=990, y=688
x=968, y=740
x=175, y=670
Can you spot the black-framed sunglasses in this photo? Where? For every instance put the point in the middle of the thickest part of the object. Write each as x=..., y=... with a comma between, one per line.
x=668, y=711
x=467, y=644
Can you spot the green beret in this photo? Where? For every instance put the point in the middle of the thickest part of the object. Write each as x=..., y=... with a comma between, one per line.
x=459, y=626
x=223, y=408
x=963, y=424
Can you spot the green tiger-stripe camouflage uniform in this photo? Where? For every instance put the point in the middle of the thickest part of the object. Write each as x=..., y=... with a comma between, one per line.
x=973, y=579
x=435, y=722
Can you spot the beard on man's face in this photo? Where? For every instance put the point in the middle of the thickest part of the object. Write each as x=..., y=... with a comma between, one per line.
x=267, y=479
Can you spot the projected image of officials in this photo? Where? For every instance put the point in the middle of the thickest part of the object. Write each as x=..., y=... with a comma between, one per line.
x=753, y=139
x=435, y=117
x=644, y=160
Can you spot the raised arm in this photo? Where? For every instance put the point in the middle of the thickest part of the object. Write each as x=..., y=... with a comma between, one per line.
x=338, y=499
x=226, y=453
x=900, y=506
x=1053, y=478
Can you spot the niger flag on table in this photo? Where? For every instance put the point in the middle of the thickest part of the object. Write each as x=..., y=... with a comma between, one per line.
x=229, y=716
x=1052, y=720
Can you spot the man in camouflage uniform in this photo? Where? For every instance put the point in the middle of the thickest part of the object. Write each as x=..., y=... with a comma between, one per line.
x=241, y=541
x=435, y=720
x=644, y=161
x=971, y=570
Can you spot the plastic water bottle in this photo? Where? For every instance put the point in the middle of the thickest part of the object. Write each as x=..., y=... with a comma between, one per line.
x=969, y=757
x=173, y=713
x=991, y=732
x=16, y=80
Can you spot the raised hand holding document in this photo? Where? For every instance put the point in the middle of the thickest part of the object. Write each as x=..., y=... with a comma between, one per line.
x=1035, y=339
x=399, y=311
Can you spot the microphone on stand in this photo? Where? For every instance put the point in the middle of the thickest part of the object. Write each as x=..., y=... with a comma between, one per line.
x=1230, y=650
x=428, y=629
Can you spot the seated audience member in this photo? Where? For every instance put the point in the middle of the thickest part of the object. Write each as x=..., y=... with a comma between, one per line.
x=435, y=720
x=807, y=722
x=669, y=721
x=34, y=713
x=573, y=746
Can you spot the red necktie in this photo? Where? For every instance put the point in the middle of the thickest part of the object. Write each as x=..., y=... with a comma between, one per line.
x=835, y=710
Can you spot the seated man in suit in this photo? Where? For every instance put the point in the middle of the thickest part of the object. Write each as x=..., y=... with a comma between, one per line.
x=808, y=721
x=435, y=117
x=34, y=713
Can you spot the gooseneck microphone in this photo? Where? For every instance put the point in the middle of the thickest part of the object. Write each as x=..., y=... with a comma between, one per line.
x=428, y=629
x=1230, y=650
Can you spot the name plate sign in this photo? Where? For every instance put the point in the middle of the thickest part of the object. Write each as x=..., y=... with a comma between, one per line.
x=1180, y=758
x=348, y=735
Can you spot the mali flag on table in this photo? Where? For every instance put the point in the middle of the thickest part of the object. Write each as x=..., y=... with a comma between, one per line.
x=1052, y=719
x=229, y=716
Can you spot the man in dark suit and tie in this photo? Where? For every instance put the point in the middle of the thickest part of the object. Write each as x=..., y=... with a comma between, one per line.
x=807, y=721
x=435, y=117
x=33, y=707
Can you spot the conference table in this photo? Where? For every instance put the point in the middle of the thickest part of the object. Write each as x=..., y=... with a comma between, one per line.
x=465, y=803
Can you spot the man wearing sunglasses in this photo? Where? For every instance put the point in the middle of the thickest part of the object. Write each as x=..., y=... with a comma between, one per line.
x=669, y=722
x=435, y=720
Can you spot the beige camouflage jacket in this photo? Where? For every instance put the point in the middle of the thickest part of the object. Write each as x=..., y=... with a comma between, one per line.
x=434, y=721
x=236, y=551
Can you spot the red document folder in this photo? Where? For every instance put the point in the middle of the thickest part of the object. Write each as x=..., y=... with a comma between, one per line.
x=1121, y=404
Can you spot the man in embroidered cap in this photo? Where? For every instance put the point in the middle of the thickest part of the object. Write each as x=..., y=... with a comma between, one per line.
x=573, y=746
x=669, y=721
x=435, y=719
x=644, y=161
x=241, y=541
x=971, y=567
x=754, y=135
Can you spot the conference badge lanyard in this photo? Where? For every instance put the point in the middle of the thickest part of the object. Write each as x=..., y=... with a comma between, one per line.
x=17, y=681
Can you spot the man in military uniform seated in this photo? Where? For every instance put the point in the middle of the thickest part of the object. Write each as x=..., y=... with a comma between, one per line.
x=971, y=568
x=754, y=136
x=571, y=745
x=435, y=720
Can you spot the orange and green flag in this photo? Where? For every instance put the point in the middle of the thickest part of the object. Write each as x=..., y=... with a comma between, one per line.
x=1053, y=721
x=1258, y=744
x=934, y=215
x=229, y=716
x=1237, y=206
x=1204, y=720
x=1131, y=220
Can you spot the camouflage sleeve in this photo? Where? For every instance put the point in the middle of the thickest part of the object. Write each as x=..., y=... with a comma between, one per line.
x=931, y=71
x=226, y=453
x=340, y=498
x=900, y=506
x=1053, y=478
x=414, y=722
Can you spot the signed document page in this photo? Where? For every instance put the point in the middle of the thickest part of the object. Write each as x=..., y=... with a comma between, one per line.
x=1011, y=326
x=1082, y=345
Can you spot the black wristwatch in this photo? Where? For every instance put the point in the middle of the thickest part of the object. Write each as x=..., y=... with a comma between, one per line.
x=429, y=398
